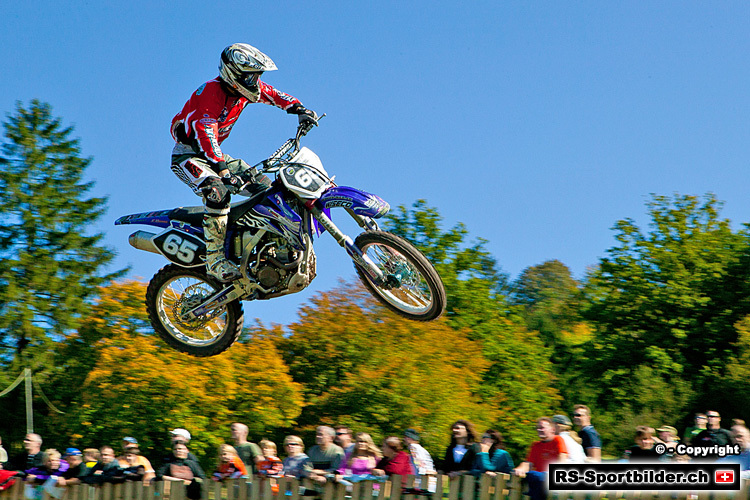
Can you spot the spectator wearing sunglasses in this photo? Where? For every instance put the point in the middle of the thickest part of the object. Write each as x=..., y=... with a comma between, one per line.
x=713, y=435
x=590, y=440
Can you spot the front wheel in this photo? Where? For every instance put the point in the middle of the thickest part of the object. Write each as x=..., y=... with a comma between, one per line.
x=175, y=290
x=414, y=288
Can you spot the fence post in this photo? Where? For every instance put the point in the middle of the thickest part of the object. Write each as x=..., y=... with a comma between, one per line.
x=467, y=492
x=501, y=489
x=485, y=483
x=17, y=489
x=515, y=488
x=107, y=491
x=242, y=491
x=396, y=484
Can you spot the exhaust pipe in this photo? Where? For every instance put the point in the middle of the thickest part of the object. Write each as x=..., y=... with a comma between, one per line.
x=142, y=241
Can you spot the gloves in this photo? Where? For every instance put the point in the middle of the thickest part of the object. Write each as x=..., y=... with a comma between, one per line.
x=306, y=116
x=233, y=183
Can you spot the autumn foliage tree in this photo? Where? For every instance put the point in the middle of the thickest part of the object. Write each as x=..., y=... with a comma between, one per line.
x=363, y=366
x=519, y=384
x=129, y=383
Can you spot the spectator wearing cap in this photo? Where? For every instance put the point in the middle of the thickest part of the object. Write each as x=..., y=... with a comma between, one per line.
x=564, y=429
x=179, y=436
x=700, y=420
x=492, y=457
x=76, y=467
x=713, y=434
x=590, y=440
x=420, y=458
x=668, y=436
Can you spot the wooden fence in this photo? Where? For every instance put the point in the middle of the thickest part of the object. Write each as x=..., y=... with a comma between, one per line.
x=499, y=487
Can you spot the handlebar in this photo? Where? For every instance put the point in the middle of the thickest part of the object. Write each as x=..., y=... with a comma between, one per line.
x=290, y=147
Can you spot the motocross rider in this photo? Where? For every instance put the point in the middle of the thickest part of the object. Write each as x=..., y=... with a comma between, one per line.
x=203, y=124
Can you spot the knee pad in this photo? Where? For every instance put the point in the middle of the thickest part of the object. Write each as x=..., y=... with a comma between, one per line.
x=216, y=194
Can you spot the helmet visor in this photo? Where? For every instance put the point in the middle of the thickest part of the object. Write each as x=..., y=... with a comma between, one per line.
x=249, y=79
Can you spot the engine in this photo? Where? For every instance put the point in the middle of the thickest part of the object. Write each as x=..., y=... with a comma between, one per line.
x=278, y=268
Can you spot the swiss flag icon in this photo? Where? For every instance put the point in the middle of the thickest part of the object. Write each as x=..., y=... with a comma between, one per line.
x=724, y=476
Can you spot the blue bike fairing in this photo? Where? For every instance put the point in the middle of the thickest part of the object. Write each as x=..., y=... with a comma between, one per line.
x=359, y=202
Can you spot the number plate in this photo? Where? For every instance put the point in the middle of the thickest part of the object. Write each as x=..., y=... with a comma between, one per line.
x=181, y=248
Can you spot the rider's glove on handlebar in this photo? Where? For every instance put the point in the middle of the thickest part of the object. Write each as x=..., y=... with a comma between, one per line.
x=233, y=183
x=306, y=116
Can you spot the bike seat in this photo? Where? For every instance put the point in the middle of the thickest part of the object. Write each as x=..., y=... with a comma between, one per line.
x=194, y=215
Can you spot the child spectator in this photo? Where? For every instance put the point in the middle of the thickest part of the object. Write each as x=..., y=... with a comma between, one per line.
x=644, y=445
x=270, y=466
x=91, y=457
x=76, y=468
x=297, y=463
x=230, y=464
x=135, y=466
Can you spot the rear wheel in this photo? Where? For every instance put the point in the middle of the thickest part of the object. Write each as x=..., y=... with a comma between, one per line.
x=173, y=291
x=414, y=288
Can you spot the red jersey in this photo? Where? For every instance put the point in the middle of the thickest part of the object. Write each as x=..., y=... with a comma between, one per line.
x=210, y=113
x=544, y=452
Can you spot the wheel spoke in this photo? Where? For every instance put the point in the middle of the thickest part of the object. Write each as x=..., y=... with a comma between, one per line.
x=413, y=295
x=182, y=294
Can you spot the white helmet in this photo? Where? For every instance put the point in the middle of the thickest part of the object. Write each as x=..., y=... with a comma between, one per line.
x=241, y=66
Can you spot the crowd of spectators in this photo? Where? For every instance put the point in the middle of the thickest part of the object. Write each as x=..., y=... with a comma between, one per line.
x=339, y=455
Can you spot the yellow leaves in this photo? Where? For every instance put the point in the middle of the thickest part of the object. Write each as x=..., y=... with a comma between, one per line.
x=138, y=386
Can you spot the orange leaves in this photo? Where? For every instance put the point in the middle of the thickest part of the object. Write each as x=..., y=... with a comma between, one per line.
x=138, y=386
x=362, y=364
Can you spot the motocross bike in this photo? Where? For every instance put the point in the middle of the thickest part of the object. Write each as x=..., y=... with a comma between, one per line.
x=269, y=237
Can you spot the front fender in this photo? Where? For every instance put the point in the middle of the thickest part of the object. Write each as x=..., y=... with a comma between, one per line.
x=359, y=202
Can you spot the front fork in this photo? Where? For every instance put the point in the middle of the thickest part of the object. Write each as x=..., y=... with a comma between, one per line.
x=346, y=242
x=243, y=287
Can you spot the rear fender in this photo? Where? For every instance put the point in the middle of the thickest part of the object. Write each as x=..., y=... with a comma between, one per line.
x=181, y=247
x=359, y=202
x=159, y=218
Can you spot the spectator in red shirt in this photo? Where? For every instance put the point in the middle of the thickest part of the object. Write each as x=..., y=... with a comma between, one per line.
x=395, y=460
x=549, y=448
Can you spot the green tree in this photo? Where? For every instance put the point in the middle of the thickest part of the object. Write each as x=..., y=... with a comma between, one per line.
x=365, y=367
x=550, y=298
x=664, y=305
x=519, y=383
x=49, y=266
x=468, y=270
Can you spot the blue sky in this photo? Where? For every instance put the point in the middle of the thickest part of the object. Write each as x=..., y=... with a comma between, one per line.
x=537, y=124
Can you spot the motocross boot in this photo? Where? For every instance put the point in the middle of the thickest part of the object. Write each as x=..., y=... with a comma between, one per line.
x=215, y=232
